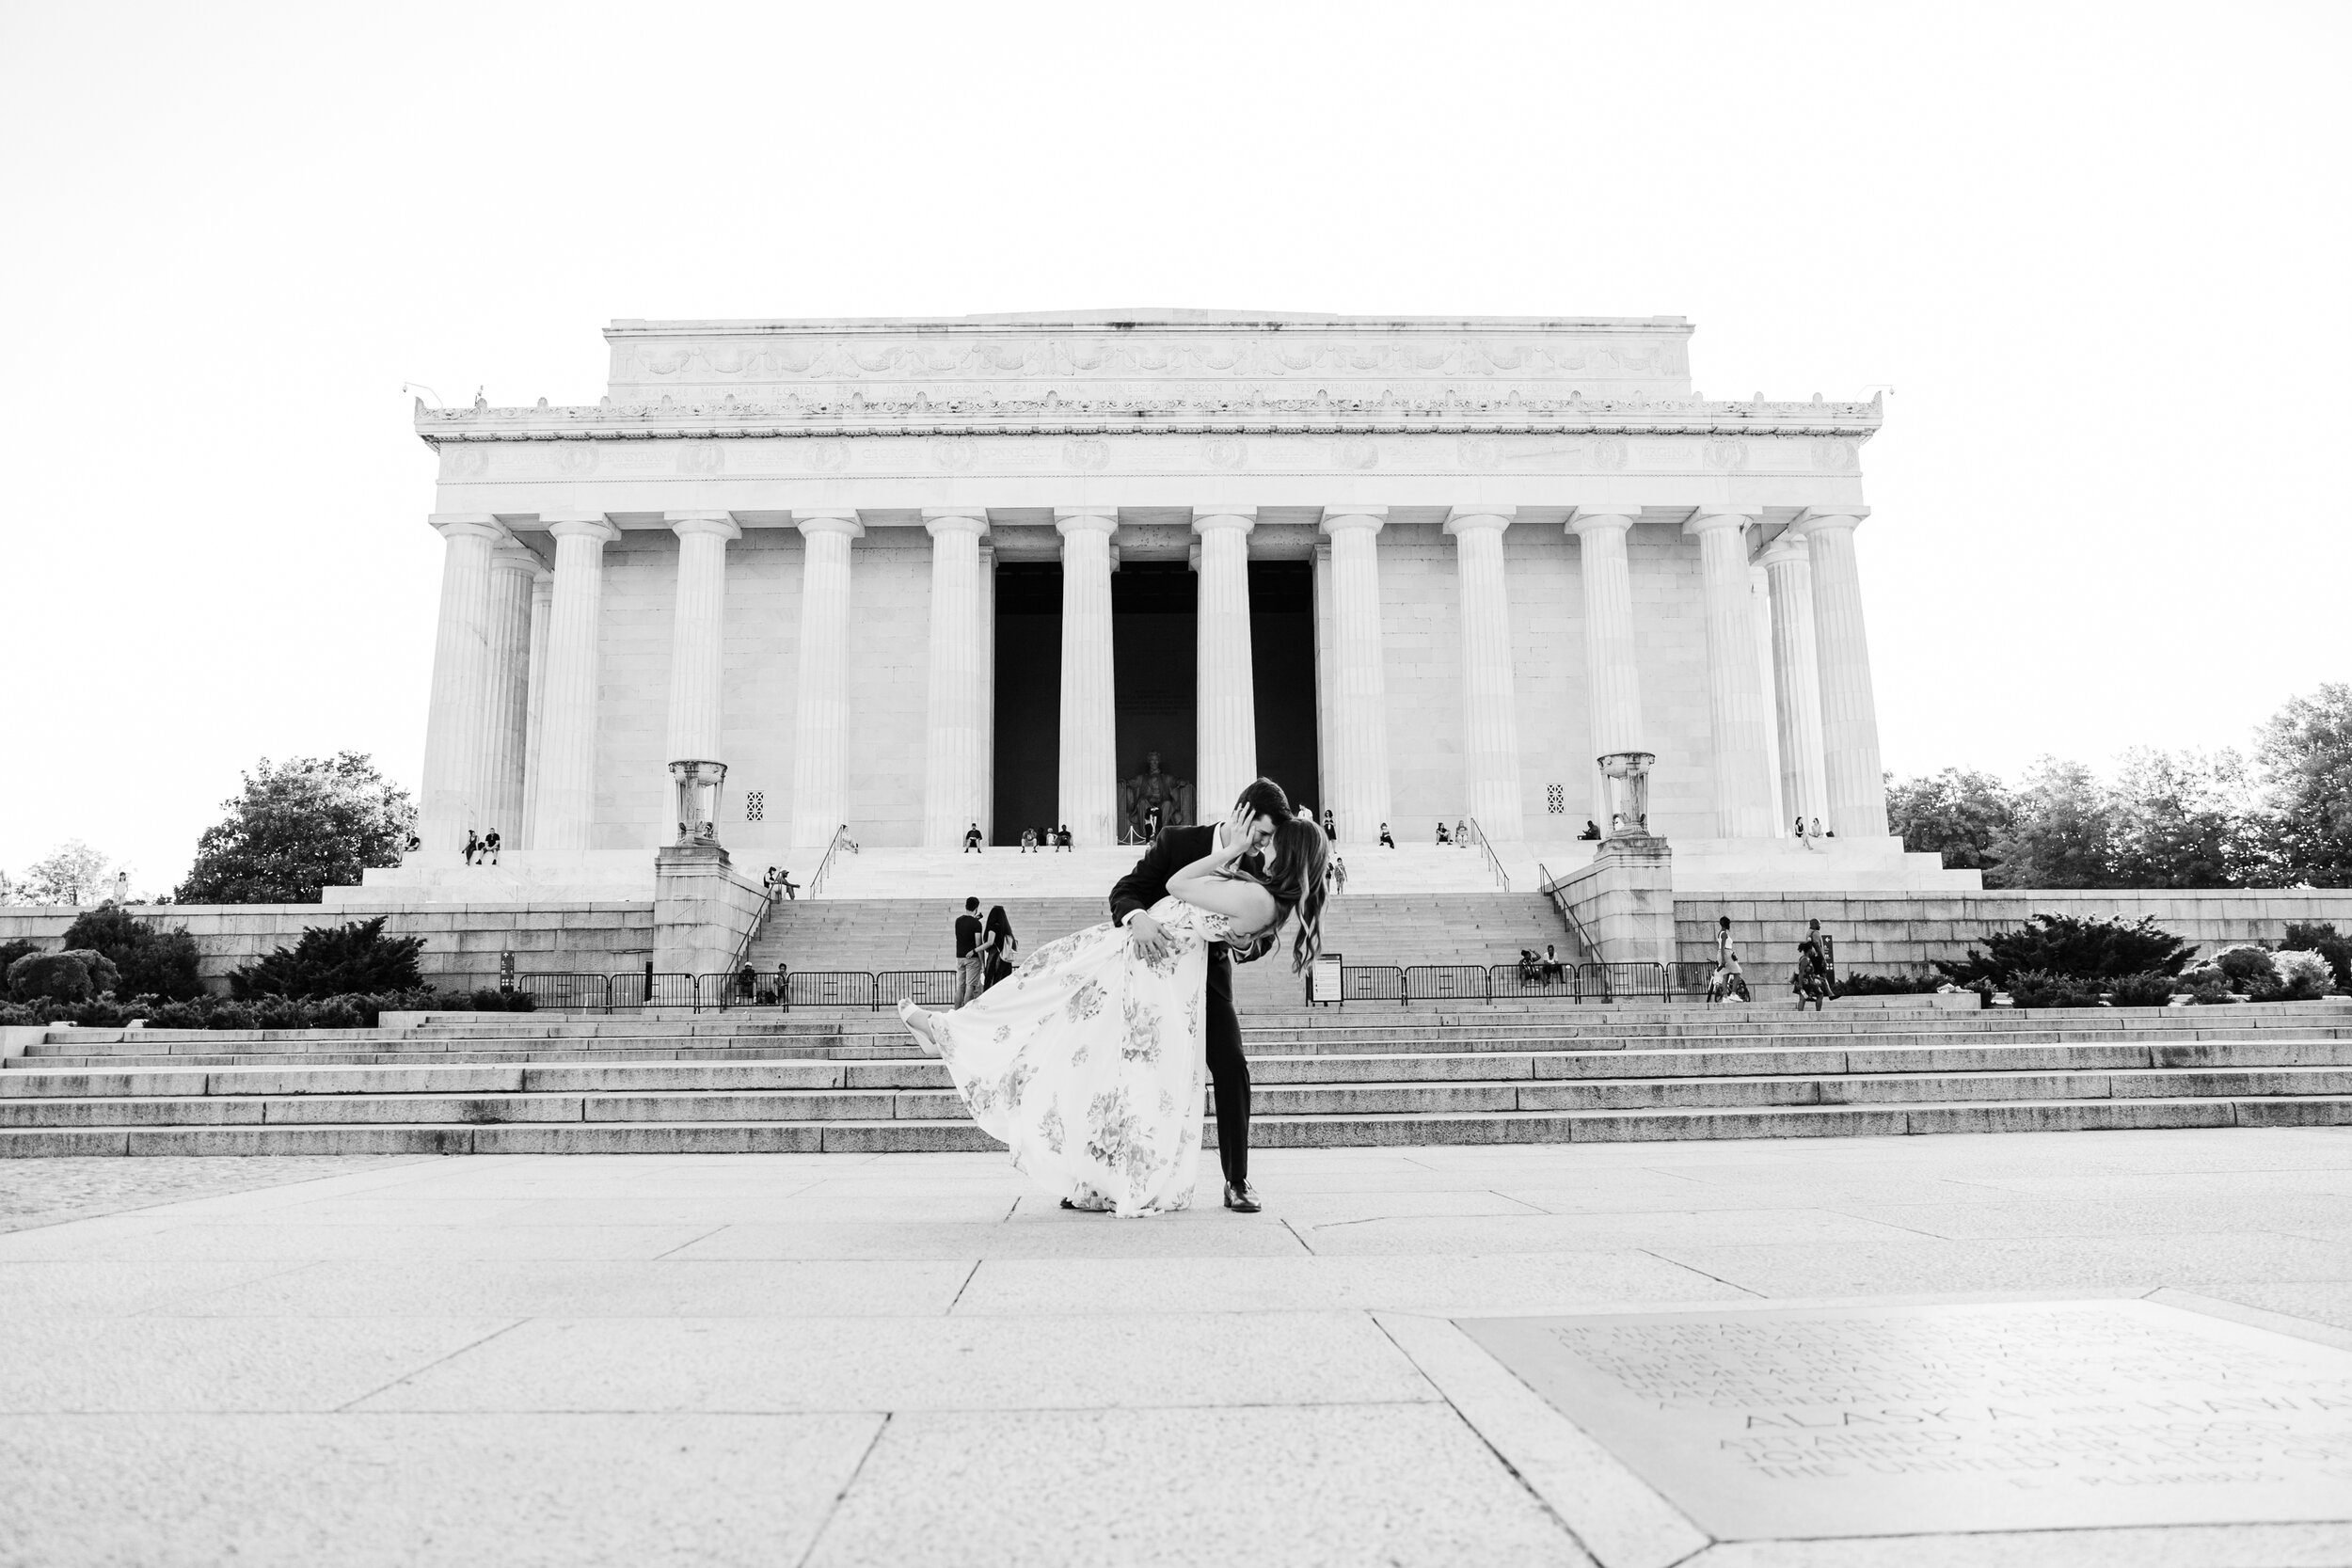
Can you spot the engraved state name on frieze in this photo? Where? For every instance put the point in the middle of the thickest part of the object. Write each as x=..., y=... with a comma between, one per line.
x=1276, y=356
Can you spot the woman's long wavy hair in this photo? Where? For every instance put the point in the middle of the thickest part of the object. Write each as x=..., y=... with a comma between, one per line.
x=1295, y=878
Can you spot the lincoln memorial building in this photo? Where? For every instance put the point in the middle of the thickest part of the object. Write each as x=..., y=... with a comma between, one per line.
x=907, y=576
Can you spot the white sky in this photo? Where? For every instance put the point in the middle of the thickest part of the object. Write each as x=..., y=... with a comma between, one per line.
x=2098, y=251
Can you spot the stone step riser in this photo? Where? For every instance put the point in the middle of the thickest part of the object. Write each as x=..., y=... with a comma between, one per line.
x=1344, y=1099
x=1270, y=1131
x=924, y=1073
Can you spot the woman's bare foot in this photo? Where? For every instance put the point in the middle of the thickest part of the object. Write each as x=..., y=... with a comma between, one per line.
x=918, y=1023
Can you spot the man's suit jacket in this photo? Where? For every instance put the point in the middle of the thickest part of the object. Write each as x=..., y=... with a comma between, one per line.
x=1147, y=885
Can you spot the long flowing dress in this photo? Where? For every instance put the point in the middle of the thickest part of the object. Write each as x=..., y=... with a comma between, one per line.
x=1089, y=1063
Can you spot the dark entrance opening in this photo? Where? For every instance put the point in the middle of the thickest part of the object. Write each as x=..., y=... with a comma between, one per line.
x=1283, y=666
x=1028, y=698
x=1155, y=670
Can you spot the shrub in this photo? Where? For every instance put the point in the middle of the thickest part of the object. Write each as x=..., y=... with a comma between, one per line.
x=2198, y=976
x=2039, y=988
x=150, y=961
x=334, y=960
x=2084, y=947
x=2143, y=991
x=13, y=950
x=2301, y=977
x=73, y=975
x=2211, y=993
x=2316, y=935
x=1887, y=985
x=2246, y=965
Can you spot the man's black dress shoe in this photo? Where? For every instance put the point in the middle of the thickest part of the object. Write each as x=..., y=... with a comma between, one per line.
x=1241, y=1198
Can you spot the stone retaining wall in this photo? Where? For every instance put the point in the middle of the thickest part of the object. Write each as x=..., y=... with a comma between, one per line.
x=1903, y=933
x=461, y=941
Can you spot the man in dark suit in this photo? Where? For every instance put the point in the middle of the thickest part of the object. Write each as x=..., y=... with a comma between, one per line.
x=1255, y=813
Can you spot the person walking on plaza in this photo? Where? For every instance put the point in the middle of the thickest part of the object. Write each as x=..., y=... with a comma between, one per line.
x=1730, y=980
x=970, y=961
x=1816, y=980
x=1088, y=1063
x=1000, y=941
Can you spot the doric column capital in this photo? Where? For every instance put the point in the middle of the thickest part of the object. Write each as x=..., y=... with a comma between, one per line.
x=1080, y=519
x=1207, y=518
x=955, y=520
x=1818, y=518
x=469, y=525
x=542, y=584
x=580, y=524
x=1602, y=520
x=510, y=557
x=718, y=523
x=1789, y=548
x=1340, y=519
x=1708, y=519
x=844, y=521
x=1465, y=518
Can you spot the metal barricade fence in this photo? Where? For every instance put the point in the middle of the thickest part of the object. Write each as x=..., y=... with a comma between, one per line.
x=1370, y=983
x=568, y=992
x=1693, y=978
x=926, y=987
x=628, y=988
x=1446, y=983
x=1620, y=982
x=829, y=988
x=1509, y=982
x=670, y=991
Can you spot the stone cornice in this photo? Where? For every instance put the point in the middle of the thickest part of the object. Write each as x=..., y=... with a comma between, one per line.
x=792, y=415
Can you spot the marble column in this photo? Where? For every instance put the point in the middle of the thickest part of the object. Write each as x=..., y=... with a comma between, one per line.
x=821, y=709
x=1490, y=713
x=953, y=744
x=564, y=797
x=1796, y=680
x=698, y=632
x=536, y=709
x=1849, y=717
x=1089, y=713
x=1612, y=680
x=1357, y=782
x=1734, y=689
x=457, y=727
x=506, y=745
x=986, y=654
x=1760, y=621
x=1226, y=702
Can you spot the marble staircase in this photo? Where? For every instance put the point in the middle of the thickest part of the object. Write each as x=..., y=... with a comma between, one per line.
x=685, y=1083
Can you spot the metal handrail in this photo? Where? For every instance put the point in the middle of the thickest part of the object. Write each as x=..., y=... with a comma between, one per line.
x=824, y=867
x=1494, y=861
x=1551, y=890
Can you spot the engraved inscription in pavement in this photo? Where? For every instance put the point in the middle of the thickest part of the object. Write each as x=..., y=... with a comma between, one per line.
x=1790, y=1422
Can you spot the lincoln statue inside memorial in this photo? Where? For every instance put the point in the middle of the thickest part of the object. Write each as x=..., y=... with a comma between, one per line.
x=901, y=577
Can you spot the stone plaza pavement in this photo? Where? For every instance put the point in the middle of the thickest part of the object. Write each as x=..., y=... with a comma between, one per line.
x=910, y=1359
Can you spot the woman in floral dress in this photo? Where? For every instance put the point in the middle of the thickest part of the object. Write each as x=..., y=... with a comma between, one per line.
x=1089, y=1063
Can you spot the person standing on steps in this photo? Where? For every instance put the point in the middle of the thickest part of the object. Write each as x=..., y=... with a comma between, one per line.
x=1000, y=942
x=969, y=959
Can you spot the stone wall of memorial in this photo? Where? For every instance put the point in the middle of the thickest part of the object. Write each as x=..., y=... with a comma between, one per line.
x=462, y=942
x=890, y=608
x=1670, y=652
x=1904, y=933
x=1548, y=679
x=633, y=689
x=1422, y=644
x=762, y=673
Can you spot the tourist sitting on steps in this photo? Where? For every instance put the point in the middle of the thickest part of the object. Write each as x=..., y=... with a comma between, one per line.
x=490, y=846
x=1442, y=835
x=1386, y=840
x=473, y=845
x=1061, y=838
x=1591, y=832
x=1029, y=840
x=784, y=884
x=971, y=839
x=1461, y=834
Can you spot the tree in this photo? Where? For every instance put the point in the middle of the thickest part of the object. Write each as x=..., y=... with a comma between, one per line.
x=299, y=827
x=74, y=873
x=2305, y=755
x=150, y=961
x=2182, y=819
x=334, y=960
x=1958, y=812
x=2062, y=836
